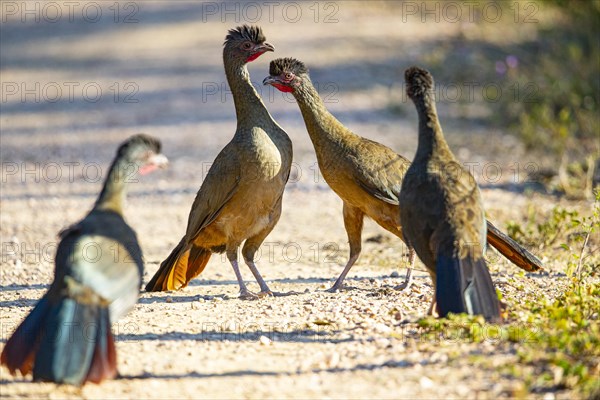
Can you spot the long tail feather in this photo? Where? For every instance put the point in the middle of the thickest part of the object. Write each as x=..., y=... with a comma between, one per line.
x=197, y=262
x=75, y=343
x=63, y=342
x=179, y=268
x=465, y=286
x=19, y=351
x=104, y=358
x=512, y=250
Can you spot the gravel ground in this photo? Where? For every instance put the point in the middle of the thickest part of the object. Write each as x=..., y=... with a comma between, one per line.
x=202, y=342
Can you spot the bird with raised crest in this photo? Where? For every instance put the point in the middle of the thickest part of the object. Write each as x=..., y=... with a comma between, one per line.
x=67, y=337
x=240, y=199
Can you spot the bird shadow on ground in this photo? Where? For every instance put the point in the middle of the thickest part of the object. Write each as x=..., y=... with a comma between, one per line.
x=241, y=373
x=176, y=299
x=19, y=303
x=212, y=282
x=22, y=302
x=245, y=333
x=360, y=367
x=15, y=288
x=173, y=297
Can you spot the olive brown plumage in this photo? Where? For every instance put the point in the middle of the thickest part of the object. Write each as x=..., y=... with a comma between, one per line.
x=442, y=214
x=366, y=175
x=240, y=198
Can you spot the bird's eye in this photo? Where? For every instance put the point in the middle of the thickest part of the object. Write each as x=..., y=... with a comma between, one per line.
x=288, y=76
x=247, y=46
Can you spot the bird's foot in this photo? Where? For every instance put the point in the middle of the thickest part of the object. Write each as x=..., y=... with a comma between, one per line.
x=245, y=294
x=340, y=288
x=404, y=286
x=284, y=294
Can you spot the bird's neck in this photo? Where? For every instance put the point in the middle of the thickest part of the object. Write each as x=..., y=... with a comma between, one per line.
x=248, y=104
x=321, y=125
x=431, y=137
x=113, y=192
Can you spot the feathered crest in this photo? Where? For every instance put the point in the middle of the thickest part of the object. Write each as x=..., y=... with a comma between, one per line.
x=418, y=82
x=246, y=32
x=139, y=140
x=292, y=65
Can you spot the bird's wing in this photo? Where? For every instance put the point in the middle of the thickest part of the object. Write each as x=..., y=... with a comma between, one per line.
x=464, y=204
x=380, y=170
x=217, y=189
x=420, y=216
x=102, y=254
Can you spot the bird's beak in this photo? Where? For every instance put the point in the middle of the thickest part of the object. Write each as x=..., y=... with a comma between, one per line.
x=267, y=47
x=159, y=160
x=154, y=162
x=269, y=80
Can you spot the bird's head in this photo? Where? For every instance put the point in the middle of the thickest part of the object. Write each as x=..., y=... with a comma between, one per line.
x=143, y=151
x=246, y=43
x=286, y=74
x=419, y=82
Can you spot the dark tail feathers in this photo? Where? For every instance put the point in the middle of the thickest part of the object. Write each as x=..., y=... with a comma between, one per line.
x=65, y=342
x=465, y=286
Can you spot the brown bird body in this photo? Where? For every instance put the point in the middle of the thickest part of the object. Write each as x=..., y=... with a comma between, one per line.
x=240, y=199
x=442, y=214
x=365, y=174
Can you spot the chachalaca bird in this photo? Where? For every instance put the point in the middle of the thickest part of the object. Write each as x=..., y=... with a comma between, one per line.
x=365, y=174
x=442, y=214
x=66, y=338
x=240, y=198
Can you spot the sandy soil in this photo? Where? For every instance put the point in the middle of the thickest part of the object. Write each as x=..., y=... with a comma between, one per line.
x=202, y=342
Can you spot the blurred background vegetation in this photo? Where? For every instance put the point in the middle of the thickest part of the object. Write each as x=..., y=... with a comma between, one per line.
x=544, y=68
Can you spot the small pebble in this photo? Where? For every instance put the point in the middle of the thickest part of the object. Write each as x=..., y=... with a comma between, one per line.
x=265, y=341
x=425, y=382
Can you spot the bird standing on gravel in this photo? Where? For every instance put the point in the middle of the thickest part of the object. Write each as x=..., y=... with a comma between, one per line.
x=240, y=199
x=442, y=214
x=365, y=174
x=67, y=338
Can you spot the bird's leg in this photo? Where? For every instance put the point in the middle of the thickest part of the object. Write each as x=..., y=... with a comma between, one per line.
x=248, y=252
x=245, y=294
x=353, y=221
x=264, y=288
x=433, y=307
x=408, y=280
x=251, y=247
x=340, y=280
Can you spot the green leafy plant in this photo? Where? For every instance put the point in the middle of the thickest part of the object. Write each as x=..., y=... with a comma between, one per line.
x=556, y=340
x=541, y=232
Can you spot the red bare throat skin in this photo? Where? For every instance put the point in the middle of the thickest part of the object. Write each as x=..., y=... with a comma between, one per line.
x=255, y=56
x=146, y=169
x=283, y=88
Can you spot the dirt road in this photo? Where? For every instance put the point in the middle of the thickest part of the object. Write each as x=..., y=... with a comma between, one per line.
x=74, y=90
